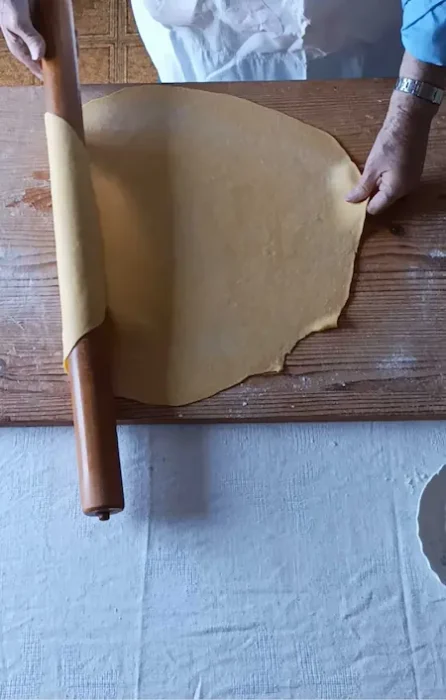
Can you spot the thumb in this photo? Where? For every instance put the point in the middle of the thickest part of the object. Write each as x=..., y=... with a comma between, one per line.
x=363, y=189
x=33, y=41
x=36, y=46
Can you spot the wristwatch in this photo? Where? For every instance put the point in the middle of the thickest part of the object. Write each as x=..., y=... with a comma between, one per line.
x=425, y=91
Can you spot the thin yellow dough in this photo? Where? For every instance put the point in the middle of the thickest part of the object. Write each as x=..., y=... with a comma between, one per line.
x=79, y=248
x=226, y=237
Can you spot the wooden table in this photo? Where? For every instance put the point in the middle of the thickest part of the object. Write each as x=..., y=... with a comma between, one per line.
x=387, y=359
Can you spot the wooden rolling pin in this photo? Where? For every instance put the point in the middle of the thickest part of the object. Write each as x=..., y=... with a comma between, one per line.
x=88, y=363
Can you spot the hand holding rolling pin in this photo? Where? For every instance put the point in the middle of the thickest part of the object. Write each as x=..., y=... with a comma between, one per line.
x=23, y=40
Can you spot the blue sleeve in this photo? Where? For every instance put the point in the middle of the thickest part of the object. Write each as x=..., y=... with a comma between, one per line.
x=424, y=30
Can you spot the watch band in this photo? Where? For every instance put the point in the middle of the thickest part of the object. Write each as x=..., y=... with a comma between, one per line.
x=425, y=91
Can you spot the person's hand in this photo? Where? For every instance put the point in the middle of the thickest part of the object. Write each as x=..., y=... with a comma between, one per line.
x=23, y=40
x=395, y=163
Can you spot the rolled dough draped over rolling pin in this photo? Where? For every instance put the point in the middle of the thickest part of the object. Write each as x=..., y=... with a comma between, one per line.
x=226, y=237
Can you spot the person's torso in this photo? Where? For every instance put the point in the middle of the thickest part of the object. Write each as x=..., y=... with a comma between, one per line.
x=264, y=39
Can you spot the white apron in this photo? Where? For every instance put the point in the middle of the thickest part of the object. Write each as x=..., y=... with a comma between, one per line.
x=224, y=40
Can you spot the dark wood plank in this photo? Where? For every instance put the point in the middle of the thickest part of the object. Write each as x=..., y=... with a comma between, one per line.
x=387, y=360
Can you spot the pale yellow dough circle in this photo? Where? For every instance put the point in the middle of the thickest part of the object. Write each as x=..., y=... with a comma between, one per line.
x=226, y=235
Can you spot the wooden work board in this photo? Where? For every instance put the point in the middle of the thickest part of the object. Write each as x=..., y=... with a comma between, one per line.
x=387, y=359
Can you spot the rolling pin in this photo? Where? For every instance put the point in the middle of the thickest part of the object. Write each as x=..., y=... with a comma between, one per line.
x=88, y=364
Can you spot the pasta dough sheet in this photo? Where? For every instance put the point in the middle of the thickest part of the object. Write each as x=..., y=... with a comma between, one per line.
x=79, y=248
x=226, y=238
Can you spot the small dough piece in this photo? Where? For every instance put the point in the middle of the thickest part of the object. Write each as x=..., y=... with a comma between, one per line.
x=227, y=238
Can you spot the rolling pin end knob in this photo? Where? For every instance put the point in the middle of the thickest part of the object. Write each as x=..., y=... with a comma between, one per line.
x=104, y=515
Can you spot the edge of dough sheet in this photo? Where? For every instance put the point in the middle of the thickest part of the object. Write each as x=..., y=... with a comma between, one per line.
x=327, y=322
x=323, y=324
x=220, y=95
x=79, y=254
x=276, y=366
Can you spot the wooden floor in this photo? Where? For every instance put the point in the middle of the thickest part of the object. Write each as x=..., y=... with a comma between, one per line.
x=110, y=48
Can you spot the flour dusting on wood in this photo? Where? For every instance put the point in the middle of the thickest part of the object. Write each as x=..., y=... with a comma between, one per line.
x=397, y=361
x=436, y=253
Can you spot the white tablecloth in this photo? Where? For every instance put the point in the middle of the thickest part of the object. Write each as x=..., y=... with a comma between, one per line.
x=251, y=562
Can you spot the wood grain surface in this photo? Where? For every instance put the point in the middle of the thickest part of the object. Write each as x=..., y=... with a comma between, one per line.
x=387, y=359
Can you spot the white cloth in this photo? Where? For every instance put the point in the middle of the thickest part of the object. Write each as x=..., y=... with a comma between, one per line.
x=250, y=562
x=209, y=40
